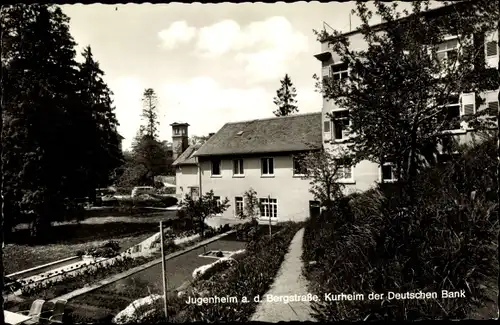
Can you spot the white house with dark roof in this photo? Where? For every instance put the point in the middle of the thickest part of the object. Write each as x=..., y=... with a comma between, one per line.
x=257, y=154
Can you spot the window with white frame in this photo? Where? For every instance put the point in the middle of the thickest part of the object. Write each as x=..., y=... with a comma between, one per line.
x=339, y=71
x=268, y=208
x=267, y=166
x=238, y=204
x=217, y=200
x=238, y=167
x=216, y=167
x=344, y=171
x=449, y=114
x=447, y=52
x=341, y=123
x=388, y=172
x=299, y=167
x=194, y=191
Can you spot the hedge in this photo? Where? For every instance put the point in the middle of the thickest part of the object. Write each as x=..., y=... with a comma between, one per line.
x=446, y=240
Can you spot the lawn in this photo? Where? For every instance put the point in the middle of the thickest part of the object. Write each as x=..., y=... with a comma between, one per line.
x=66, y=239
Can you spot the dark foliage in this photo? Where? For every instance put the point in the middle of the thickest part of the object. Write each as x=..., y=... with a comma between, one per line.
x=372, y=242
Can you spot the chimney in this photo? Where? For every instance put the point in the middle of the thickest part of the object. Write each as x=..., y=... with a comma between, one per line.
x=211, y=134
x=179, y=138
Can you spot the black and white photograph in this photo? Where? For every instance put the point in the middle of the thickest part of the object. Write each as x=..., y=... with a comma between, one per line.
x=249, y=162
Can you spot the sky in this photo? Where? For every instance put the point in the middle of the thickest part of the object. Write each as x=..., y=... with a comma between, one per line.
x=208, y=63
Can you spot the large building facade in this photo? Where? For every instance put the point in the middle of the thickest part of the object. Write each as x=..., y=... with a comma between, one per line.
x=335, y=131
x=260, y=154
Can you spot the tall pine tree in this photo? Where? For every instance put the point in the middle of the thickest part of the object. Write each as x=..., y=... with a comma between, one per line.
x=285, y=98
x=149, y=155
x=101, y=154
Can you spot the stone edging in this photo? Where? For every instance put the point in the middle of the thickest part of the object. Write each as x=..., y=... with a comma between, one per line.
x=41, y=266
x=137, y=269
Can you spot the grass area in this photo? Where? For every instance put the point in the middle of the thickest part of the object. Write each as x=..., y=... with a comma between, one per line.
x=65, y=239
x=21, y=257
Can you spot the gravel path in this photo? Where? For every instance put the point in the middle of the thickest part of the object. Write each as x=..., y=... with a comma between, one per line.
x=288, y=282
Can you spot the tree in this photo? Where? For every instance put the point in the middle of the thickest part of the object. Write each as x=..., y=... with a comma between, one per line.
x=285, y=98
x=198, y=140
x=149, y=155
x=323, y=169
x=198, y=209
x=40, y=92
x=251, y=207
x=399, y=89
x=150, y=103
x=100, y=152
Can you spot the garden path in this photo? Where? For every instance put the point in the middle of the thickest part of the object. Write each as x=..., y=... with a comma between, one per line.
x=288, y=282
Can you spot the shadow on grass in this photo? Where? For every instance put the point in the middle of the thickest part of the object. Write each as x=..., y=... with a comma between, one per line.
x=81, y=233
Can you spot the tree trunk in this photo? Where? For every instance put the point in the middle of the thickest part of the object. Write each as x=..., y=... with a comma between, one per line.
x=411, y=168
x=2, y=270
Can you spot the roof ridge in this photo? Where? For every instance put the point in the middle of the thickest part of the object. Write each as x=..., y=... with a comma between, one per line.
x=274, y=118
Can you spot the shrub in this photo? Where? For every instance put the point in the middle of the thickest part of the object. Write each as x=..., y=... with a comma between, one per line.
x=247, y=230
x=373, y=243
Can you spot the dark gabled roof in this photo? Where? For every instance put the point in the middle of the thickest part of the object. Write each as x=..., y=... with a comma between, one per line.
x=187, y=158
x=279, y=134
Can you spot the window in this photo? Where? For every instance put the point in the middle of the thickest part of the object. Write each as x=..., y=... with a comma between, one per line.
x=268, y=208
x=238, y=205
x=447, y=52
x=267, y=166
x=493, y=106
x=238, y=167
x=217, y=200
x=450, y=113
x=299, y=168
x=176, y=131
x=339, y=71
x=491, y=48
x=341, y=124
x=344, y=171
x=326, y=126
x=388, y=172
x=216, y=167
x=194, y=191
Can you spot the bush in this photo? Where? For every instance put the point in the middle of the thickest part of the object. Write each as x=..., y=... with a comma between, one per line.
x=248, y=230
x=373, y=243
x=250, y=277
x=157, y=201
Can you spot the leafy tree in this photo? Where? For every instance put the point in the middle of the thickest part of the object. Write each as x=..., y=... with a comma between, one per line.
x=285, y=98
x=198, y=209
x=398, y=88
x=251, y=208
x=198, y=140
x=323, y=169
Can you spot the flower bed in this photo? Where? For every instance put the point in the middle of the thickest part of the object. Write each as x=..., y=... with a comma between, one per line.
x=251, y=276
x=206, y=271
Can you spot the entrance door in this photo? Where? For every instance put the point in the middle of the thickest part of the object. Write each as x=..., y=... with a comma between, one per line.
x=314, y=209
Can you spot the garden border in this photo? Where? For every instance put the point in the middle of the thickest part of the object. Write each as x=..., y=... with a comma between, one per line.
x=41, y=266
x=137, y=269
